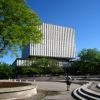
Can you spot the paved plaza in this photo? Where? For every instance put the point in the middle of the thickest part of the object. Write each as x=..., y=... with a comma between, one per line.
x=56, y=89
x=55, y=86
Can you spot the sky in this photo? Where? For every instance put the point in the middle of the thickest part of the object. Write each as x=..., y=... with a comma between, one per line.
x=82, y=15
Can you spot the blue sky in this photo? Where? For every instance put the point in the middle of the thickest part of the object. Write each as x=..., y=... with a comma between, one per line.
x=82, y=15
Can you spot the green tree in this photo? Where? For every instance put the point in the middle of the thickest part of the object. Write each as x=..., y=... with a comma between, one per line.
x=47, y=66
x=5, y=71
x=88, y=63
x=18, y=25
x=89, y=55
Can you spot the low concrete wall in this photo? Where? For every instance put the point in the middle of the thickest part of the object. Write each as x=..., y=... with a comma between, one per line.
x=21, y=92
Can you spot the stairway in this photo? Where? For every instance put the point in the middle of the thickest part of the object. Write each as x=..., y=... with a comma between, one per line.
x=86, y=93
x=98, y=86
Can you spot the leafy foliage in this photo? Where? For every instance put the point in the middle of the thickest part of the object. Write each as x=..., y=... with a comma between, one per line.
x=6, y=71
x=48, y=66
x=89, y=62
x=18, y=25
x=89, y=55
x=41, y=66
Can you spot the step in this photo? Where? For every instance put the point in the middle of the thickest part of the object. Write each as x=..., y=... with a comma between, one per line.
x=87, y=96
x=76, y=95
x=98, y=85
x=91, y=92
x=94, y=87
x=83, y=93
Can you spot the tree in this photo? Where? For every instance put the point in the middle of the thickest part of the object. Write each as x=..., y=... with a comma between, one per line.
x=47, y=66
x=5, y=71
x=89, y=62
x=18, y=25
x=89, y=55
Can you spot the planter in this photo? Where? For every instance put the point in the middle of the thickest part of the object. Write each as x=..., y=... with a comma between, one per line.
x=16, y=90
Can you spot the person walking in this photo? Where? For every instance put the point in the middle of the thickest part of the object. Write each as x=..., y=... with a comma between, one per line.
x=68, y=81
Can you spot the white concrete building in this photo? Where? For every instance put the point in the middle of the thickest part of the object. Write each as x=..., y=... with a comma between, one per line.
x=57, y=42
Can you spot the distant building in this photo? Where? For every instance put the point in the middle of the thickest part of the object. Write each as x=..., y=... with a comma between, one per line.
x=58, y=43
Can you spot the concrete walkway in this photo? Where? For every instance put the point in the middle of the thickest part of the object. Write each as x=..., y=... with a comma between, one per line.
x=55, y=86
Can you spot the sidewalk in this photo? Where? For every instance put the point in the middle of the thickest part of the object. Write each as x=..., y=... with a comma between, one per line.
x=55, y=86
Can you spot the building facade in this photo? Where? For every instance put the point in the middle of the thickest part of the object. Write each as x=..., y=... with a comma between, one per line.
x=57, y=42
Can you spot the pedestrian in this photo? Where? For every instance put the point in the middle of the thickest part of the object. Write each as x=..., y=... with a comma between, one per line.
x=68, y=82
